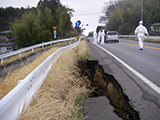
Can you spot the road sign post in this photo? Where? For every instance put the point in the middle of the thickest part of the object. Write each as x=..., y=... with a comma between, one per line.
x=54, y=32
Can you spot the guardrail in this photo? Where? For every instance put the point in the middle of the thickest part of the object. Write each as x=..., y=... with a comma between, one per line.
x=133, y=36
x=32, y=48
x=19, y=98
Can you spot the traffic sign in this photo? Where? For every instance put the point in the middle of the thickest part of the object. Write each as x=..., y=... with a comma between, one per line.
x=78, y=23
x=54, y=27
x=54, y=32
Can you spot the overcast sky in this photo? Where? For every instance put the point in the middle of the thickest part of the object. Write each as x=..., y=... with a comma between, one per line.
x=87, y=11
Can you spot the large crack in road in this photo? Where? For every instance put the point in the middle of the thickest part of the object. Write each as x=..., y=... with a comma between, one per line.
x=104, y=84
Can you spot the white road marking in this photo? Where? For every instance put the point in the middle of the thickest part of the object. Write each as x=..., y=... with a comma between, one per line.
x=143, y=78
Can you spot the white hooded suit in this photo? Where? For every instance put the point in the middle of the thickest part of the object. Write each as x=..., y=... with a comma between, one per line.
x=102, y=36
x=95, y=37
x=99, y=36
x=140, y=32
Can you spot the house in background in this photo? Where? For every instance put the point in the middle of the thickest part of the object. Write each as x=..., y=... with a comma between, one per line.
x=155, y=27
x=6, y=47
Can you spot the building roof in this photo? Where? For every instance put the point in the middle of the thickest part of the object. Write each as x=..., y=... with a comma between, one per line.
x=4, y=32
x=6, y=44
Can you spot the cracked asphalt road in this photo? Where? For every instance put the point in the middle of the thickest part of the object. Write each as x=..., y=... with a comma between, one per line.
x=142, y=97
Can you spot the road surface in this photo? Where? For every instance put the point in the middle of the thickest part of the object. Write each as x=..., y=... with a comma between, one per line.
x=141, y=80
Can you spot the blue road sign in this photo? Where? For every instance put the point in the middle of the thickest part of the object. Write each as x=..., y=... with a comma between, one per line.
x=77, y=23
x=54, y=34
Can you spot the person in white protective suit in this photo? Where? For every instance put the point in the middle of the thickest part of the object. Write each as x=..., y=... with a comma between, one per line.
x=95, y=37
x=140, y=32
x=99, y=36
x=102, y=36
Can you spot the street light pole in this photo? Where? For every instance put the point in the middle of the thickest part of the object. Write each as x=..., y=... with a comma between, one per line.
x=142, y=10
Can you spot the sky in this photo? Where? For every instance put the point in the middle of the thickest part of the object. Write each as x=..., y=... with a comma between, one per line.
x=87, y=11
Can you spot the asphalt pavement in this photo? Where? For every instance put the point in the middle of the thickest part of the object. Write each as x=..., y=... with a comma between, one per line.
x=144, y=99
x=99, y=108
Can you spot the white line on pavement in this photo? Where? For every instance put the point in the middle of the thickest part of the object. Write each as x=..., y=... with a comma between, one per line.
x=147, y=81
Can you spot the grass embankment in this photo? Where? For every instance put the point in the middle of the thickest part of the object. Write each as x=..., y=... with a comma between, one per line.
x=61, y=95
x=11, y=80
x=16, y=57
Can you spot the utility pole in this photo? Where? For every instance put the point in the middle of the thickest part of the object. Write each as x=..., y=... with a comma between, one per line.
x=142, y=10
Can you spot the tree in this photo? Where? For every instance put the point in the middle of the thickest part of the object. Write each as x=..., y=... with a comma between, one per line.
x=22, y=30
x=31, y=30
x=125, y=15
x=78, y=29
x=64, y=23
x=35, y=26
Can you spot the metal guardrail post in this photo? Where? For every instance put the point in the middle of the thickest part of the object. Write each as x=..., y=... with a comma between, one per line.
x=42, y=46
x=1, y=61
x=19, y=54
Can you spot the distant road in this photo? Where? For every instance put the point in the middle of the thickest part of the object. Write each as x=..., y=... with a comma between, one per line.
x=140, y=80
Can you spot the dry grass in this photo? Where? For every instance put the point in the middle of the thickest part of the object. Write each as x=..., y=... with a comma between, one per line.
x=148, y=40
x=82, y=49
x=11, y=81
x=25, y=54
x=16, y=57
x=55, y=100
x=152, y=40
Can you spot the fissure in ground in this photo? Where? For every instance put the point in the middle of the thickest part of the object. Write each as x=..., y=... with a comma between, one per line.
x=104, y=84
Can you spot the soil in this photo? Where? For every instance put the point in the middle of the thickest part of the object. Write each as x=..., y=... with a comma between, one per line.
x=104, y=84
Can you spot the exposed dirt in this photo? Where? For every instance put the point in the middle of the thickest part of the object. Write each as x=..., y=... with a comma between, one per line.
x=104, y=84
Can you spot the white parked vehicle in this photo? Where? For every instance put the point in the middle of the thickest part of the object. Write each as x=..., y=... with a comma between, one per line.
x=112, y=36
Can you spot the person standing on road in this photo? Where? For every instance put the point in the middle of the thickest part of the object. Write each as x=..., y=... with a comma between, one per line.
x=140, y=32
x=95, y=37
x=102, y=36
x=99, y=37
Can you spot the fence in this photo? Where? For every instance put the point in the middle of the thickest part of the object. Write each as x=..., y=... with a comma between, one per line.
x=32, y=48
x=20, y=97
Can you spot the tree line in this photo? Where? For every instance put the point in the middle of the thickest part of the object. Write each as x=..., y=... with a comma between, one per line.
x=124, y=15
x=8, y=14
x=35, y=25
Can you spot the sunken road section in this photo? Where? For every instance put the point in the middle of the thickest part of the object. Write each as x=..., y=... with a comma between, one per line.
x=103, y=84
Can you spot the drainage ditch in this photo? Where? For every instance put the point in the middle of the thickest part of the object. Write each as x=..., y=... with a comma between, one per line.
x=104, y=84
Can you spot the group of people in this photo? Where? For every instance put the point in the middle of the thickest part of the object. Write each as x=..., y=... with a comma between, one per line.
x=99, y=38
x=140, y=33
